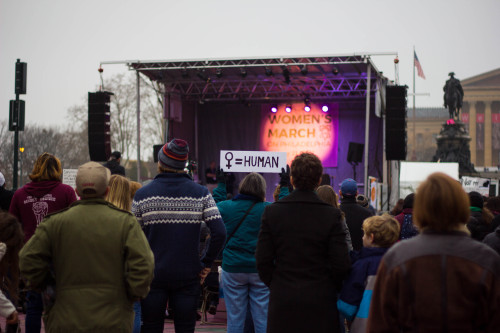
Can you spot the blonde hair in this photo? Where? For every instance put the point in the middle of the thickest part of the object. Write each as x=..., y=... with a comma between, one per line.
x=134, y=186
x=47, y=167
x=385, y=229
x=441, y=204
x=119, y=192
x=276, y=193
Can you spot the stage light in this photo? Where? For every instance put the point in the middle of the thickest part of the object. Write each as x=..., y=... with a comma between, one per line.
x=304, y=70
x=335, y=71
x=184, y=73
x=203, y=77
x=286, y=74
x=324, y=108
x=243, y=72
x=307, y=103
x=288, y=108
x=274, y=109
x=269, y=71
x=218, y=72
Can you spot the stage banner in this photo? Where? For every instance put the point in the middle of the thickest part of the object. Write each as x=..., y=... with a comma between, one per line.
x=298, y=131
x=252, y=161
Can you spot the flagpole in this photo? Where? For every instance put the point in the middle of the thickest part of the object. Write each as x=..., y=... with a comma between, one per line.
x=414, y=154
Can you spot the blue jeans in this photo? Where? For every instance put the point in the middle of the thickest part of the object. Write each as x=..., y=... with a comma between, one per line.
x=34, y=309
x=182, y=297
x=137, y=317
x=240, y=291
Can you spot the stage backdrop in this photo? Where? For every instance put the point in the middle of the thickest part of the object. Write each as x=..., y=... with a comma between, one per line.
x=298, y=131
x=236, y=126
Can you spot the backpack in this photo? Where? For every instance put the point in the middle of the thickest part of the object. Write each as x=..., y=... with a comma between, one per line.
x=408, y=230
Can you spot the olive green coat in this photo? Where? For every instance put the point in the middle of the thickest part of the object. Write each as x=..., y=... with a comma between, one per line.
x=101, y=260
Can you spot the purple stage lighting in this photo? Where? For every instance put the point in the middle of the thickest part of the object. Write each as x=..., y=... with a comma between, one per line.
x=274, y=109
x=288, y=109
x=324, y=108
x=307, y=108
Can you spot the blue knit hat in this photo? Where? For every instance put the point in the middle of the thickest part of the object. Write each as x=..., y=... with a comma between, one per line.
x=349, y=187
x=174, y=154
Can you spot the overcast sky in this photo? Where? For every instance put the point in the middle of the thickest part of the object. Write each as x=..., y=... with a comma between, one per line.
x=63, y=41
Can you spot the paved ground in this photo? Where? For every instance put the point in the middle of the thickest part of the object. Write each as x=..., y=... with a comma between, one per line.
x=215, y=323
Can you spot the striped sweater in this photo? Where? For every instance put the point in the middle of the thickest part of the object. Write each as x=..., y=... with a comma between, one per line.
x=170, y=210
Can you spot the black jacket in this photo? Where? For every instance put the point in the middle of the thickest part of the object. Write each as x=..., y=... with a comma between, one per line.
x=115, y=167
x=478, y=226
x=493, y=240
x=302, y=255
x=5, y=198
x=354, y=217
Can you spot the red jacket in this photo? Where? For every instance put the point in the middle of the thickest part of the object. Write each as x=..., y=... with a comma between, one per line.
x=34, y=200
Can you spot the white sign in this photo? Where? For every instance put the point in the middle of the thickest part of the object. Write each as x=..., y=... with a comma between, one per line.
x=252, y=161
x=481, y=185
x=69, y=177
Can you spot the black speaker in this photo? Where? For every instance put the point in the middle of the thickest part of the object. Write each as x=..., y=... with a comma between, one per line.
x=16, y=117
x=99, y=126
x=355, y=153
x=21, y=70
x=395, y=123
x=156, y=150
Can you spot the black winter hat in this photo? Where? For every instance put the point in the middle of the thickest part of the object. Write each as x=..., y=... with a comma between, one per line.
x=476, y=199
x=408, y=203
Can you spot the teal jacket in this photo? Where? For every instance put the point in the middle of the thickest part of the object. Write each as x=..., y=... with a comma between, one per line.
x=101, y=261
x=239, y=253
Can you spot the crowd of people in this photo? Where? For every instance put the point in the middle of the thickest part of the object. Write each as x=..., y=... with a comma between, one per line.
x=115, y=256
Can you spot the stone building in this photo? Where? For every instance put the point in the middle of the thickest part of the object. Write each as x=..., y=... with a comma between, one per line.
x=480, y=113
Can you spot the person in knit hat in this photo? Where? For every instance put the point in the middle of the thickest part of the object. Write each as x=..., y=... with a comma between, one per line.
x=170, y=210
x=480, y=223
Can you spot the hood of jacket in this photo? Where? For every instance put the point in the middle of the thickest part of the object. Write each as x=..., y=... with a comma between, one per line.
x=39, y=189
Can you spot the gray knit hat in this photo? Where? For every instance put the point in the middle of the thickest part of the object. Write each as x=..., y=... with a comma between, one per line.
x=174, y=154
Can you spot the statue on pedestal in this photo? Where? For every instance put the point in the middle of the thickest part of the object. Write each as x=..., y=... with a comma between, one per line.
x=453, y=140
x=453, y=96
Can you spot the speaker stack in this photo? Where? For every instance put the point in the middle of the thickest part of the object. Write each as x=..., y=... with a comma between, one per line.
x=395, y=123
x=99, y=126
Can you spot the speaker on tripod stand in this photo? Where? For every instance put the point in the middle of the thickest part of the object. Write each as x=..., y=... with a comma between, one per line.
x=355, y=155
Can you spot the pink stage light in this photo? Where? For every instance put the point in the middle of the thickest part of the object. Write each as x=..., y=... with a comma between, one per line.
x=324, y=108
x=288, y=109
x=274, y=109
x=307, y=108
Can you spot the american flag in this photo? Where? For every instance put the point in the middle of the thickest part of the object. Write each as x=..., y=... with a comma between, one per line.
x=420, y=71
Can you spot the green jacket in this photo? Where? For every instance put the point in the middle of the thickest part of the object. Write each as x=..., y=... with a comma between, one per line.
x=101, y=260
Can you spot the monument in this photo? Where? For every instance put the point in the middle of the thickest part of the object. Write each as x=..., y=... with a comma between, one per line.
x=453, y=139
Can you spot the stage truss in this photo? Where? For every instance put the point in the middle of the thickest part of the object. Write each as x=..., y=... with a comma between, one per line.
x=264, y=79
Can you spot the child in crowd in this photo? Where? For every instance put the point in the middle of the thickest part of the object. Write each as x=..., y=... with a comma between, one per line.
x=380, y=233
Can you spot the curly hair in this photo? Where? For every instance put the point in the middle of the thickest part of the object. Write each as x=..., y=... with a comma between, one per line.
x=385, y=229
x=11, y=234
x=47, y=167
x=306, y=171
